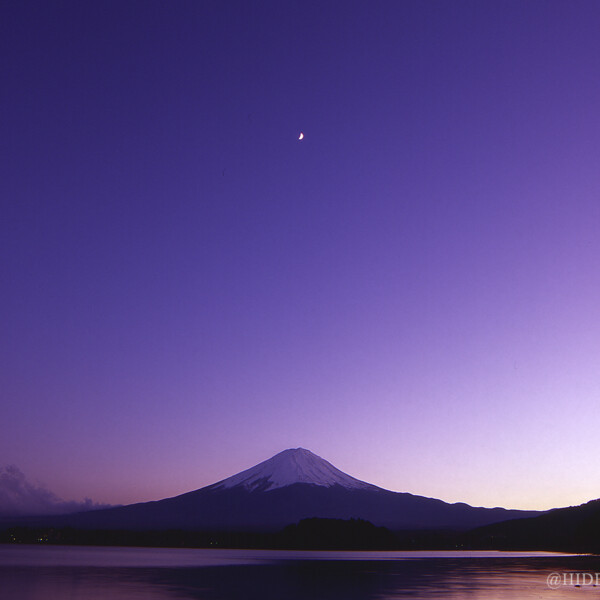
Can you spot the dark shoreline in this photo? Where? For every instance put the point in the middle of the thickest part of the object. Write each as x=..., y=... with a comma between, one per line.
x=309, y=534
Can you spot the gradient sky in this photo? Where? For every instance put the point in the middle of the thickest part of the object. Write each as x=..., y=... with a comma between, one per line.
x=411, y=292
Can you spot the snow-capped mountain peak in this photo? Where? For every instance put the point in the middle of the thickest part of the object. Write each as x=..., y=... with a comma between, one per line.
x=295, y=465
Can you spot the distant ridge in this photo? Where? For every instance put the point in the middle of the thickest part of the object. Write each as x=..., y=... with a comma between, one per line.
x=569, y=529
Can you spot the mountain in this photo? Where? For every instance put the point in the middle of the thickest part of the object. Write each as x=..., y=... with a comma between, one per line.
x=292, y=485
x=570, y=529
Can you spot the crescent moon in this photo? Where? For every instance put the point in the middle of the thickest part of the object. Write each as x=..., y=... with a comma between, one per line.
x=301, y=136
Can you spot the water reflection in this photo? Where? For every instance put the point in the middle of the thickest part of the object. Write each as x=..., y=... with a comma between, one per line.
x=419, y=579
x=477, y=579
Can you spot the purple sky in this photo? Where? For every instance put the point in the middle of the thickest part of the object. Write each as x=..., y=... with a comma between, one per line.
x=412, y=291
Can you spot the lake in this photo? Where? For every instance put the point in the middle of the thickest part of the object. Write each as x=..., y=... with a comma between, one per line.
x=98, y=573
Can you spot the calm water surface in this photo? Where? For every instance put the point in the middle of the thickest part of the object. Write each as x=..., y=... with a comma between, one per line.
x=90, y=573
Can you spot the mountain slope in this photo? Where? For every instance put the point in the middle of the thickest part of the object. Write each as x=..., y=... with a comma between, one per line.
x=570, y=529
x=294, y=484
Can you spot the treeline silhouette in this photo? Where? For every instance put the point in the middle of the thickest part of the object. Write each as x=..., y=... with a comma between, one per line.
x=308, y=534
x=565, y=530
x=334, y=534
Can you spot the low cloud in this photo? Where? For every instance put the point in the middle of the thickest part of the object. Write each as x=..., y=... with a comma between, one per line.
x=21, y=497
